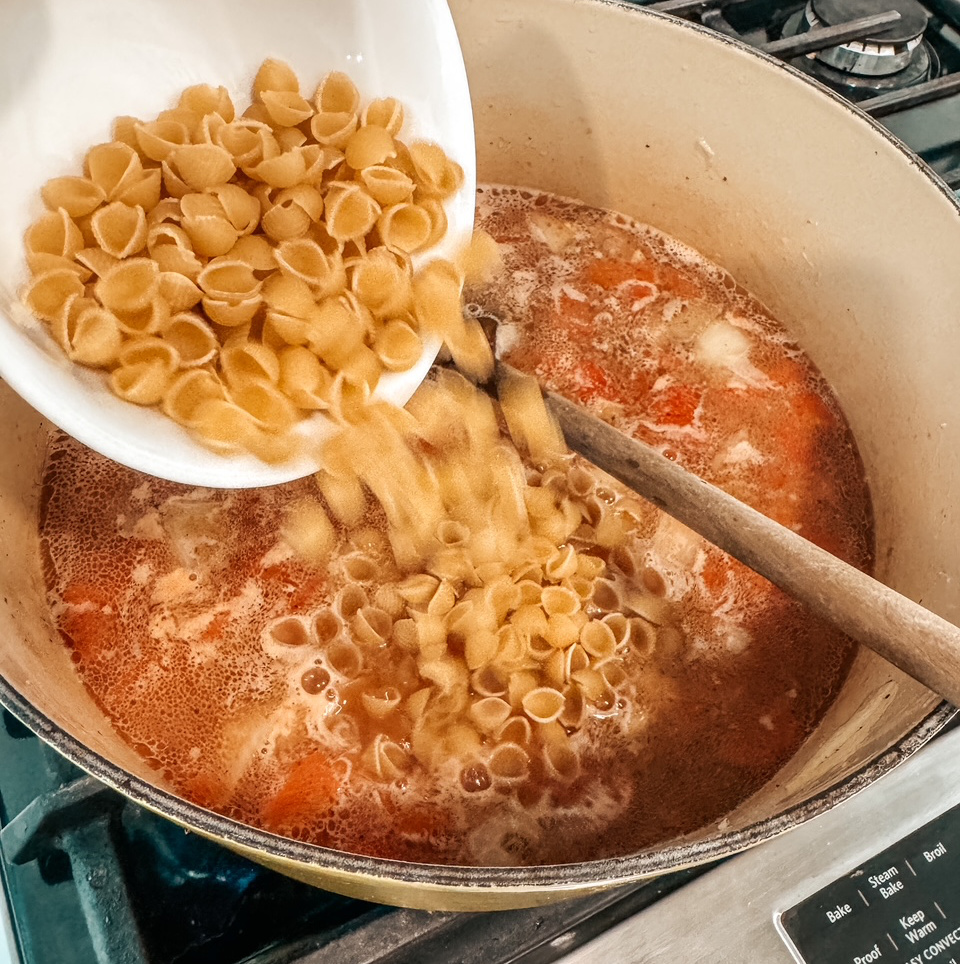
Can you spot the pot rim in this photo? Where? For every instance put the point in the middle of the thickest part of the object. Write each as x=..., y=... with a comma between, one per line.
x=556, y=877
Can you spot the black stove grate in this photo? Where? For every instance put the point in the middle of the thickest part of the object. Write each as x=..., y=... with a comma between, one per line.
x=94, y=879
x=925, y=115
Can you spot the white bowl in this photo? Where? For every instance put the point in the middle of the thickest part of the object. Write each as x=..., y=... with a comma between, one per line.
x=69, y=67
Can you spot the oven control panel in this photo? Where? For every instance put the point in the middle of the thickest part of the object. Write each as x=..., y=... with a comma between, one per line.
x=900, y=907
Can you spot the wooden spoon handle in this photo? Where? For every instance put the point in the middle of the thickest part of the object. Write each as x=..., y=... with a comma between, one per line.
x=909, y=636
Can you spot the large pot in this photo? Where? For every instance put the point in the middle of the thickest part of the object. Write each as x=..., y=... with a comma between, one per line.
x=839, y=230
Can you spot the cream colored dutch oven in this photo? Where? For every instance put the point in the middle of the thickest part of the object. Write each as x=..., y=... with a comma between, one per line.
x=839, y=230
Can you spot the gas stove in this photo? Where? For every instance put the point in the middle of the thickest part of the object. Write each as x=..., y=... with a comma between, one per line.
x=93, y=879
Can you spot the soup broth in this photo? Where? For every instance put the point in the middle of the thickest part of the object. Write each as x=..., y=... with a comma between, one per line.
x=286, y=694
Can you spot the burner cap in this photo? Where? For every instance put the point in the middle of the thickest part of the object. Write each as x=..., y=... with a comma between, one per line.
x=910, y=26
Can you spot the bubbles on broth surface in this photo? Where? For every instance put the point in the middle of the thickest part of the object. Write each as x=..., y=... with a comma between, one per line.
x=242, y=674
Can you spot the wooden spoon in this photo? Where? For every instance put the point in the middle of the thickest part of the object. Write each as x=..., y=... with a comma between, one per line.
x=912, y=638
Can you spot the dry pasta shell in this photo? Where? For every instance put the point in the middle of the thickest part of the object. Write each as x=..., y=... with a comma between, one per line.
x=111, y=166
x=167, y=233
x=39, y=262
x=348, y=400
x=304, y=378
x=285, y=222
x=144, y=321
x=232, y=281
x=382, y=282
x=60, y=326
x=368, y=146
x=188, y=390
x=241, y=208
x=143, y=191
x=210, y=236
x=337, y=92
x=178, y=291
x=167, y=210
x=305, y=196
x=143, y=384
x=281, y=331
x=129, y=286
x=275, y=75
x=78, y=196
x=248, y=361
x=204, y=99
x=47, y=295
x=386, y=185
x=54, y=233
x=185, y=116
x=191, y=337
x=289, y=295
x=333, y=128
x=244, y=140
x=362, y=368
x=398, y=346
x=253, y=250
x=172, y=259
x=351, y=212
x=303, y=259
x=286, y=107
x=438, y=219
x=385, y=112
x=405, y=227
x=436, y=174
x=200, y=205
x=119, y=229
x=283, y=170
x=336, y=332
x=124, y=130
x=201, y=166
x=320, y=161
x=289, y=138
x=173, y=184
x=220, y=424
x=230, y=314
x=269, y=407
x=158, y=139
x=94, y=338
x=148, y=351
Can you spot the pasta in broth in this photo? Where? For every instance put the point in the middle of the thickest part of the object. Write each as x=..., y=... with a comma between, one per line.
x=458, y=643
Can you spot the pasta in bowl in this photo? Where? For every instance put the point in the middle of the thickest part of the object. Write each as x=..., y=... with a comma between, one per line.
x=225, y=279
